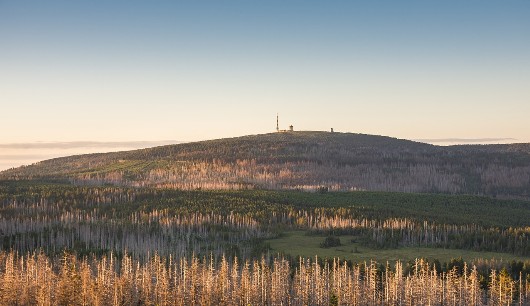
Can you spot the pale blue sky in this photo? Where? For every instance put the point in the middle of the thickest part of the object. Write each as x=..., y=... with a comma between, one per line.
x=193, y=70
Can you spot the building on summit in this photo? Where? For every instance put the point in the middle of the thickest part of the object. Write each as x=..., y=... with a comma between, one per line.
x=291, y=128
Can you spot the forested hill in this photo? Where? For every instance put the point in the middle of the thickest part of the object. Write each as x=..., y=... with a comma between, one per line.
x=303, y=160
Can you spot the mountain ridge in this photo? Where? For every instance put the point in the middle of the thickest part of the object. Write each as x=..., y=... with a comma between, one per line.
x=306, y=160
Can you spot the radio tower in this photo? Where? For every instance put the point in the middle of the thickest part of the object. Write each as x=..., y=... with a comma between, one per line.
x=277, y=123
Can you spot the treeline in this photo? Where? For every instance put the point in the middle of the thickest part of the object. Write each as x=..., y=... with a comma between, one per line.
x=103, y=220
x=395, y=233
x=140, y=234
x=264, y=205
x=35, y=279
x=110, y=219
x=304, y=161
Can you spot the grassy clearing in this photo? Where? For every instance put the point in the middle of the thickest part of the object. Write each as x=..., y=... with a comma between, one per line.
x=297, y=243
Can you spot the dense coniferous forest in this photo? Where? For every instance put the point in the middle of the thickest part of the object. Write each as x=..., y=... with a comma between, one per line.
x=306, y=161
x=194, y=223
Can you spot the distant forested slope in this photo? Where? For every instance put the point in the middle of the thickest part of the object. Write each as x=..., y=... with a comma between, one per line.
x=303, y=160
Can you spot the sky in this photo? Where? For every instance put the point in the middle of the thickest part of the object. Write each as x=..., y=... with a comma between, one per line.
x=131, y=71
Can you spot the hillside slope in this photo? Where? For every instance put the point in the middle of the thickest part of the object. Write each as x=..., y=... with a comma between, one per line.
x=303, y=160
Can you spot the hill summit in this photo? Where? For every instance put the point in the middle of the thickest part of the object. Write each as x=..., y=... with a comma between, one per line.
x=303, y=160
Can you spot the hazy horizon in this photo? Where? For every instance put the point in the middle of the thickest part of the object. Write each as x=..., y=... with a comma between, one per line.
x=19, y=154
